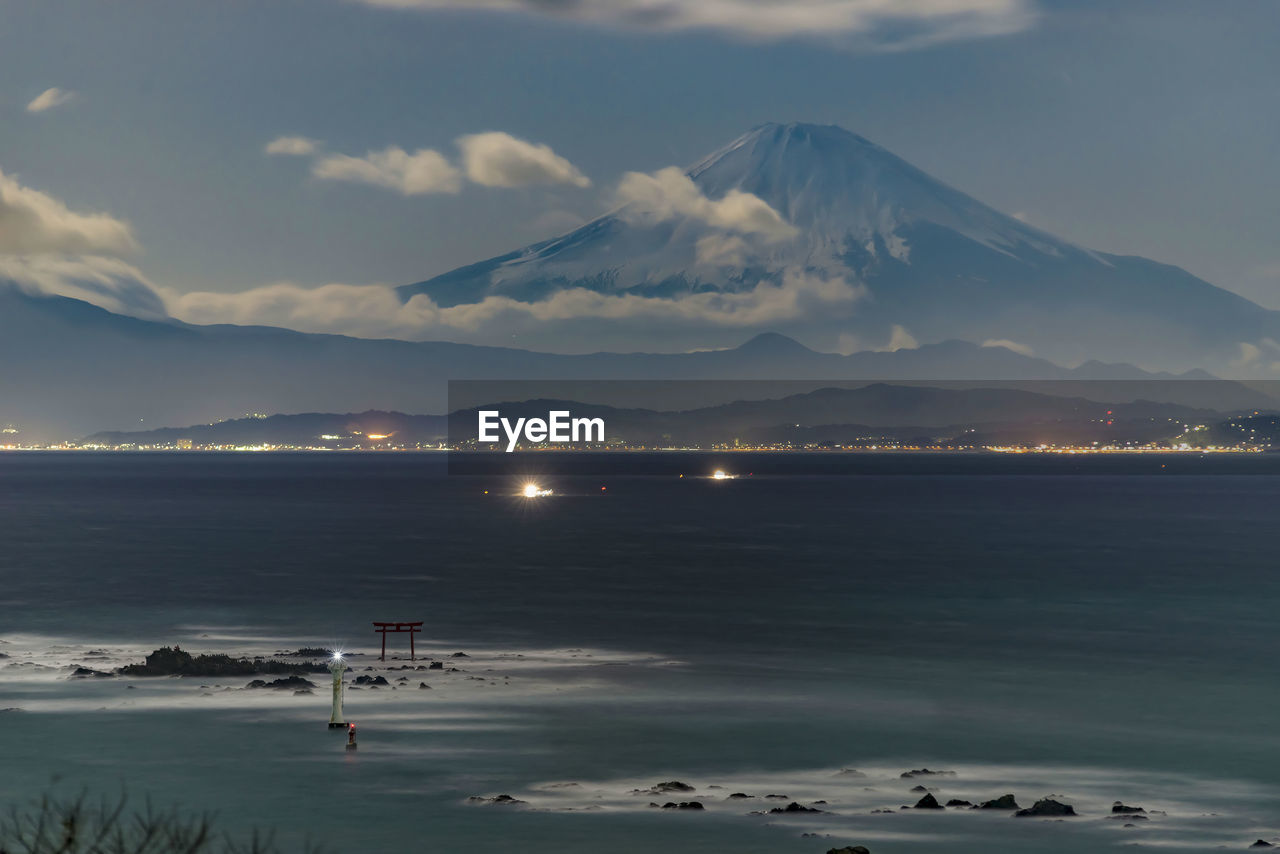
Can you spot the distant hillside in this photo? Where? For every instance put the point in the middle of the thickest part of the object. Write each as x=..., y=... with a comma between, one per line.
x=74, y=368
x=826, y=415
x=319, y=430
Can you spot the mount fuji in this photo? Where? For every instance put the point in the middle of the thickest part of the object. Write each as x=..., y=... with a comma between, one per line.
x=921, y=261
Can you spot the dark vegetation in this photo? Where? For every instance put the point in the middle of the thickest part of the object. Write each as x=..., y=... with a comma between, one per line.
x=77, y=825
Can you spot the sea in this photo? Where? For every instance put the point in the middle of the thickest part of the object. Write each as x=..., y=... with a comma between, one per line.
x=805, y=630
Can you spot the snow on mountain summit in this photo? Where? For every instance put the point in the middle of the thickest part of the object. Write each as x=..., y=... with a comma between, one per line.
x=837, y=186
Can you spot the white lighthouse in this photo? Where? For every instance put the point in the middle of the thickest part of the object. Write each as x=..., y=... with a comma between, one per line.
x=337, y=666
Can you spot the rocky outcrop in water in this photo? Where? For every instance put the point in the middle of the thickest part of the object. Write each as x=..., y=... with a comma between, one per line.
x=1047, y=808
x=497, y=800
x=1004, y=802
x=295, y=683
x=928, y=802
x=173, y=661
x=667, y=788
x=925, y=772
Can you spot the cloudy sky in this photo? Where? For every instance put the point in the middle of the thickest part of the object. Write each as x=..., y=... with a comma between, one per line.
x=196, y=150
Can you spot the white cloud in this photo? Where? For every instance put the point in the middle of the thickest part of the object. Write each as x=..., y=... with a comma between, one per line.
x=900, y=339
x=669, y=193
x=35, y=222
x=105, y=282
x=424, y=171
x=1249, y=354
x=376, y=310
x=721, y=250
x=497, y=159
x=48, y=99
x=1009, y=345
x=298, y=146
x=875, y=23
x=1263, y=356
x=48, y=249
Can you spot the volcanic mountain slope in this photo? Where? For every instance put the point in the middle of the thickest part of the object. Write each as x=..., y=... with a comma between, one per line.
x=916, y=254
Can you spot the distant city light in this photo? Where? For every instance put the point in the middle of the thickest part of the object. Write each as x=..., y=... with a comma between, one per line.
x=721, y=475
x=532, y=490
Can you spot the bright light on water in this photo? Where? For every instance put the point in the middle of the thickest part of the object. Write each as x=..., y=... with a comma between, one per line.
x=532, y=490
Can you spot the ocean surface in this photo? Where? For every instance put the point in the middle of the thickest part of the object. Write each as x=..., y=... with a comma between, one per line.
x=1094, y=628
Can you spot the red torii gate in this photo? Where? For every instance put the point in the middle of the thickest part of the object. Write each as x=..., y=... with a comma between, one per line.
x=383, y=628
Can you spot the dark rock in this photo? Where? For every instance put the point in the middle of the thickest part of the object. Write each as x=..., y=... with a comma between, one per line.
x=849, y=849
x=738, y=796
x=436, y=665
x=1129, y=817
x=460, y=655
x=1118, y=807
x=929, y=802
x=1046, y=807
x=311, y=652
x=919, y=789
x=172, y=661
x=778, y=797
x=683, y=805
x=371, y=681
x=849, y=772
x=794, y=807
x=673, y=786
x=89, y=673
x=292, y=682
x=1004, y=802
x=1262, y=843
x=925, y=772
x=956, y=802
x=499, y=800
x=302, y=692
x=422, y=685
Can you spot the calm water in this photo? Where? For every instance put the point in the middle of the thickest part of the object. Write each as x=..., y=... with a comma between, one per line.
x=1100, y=628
